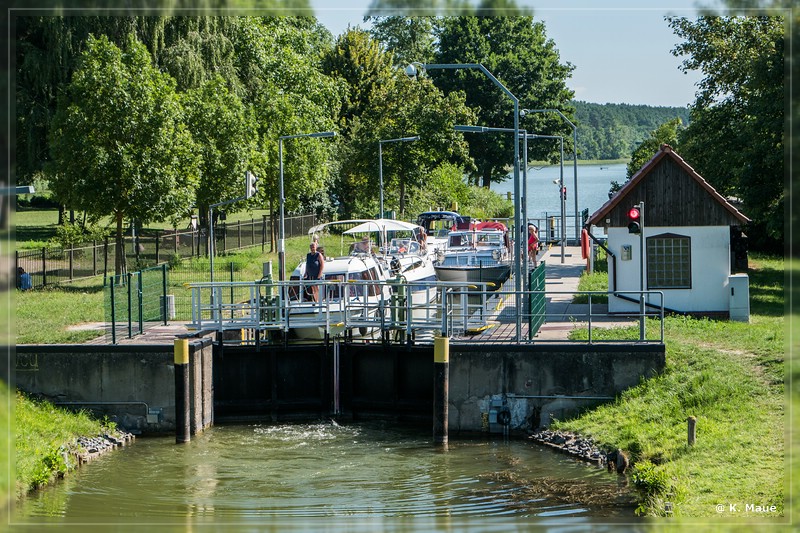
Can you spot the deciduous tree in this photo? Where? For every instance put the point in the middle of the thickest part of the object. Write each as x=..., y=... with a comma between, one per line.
x=516, y=50
x=736, y=135
x=119, y=146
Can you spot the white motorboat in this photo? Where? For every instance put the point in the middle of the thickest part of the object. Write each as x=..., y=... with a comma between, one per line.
x=358, y=285
x=481, y=254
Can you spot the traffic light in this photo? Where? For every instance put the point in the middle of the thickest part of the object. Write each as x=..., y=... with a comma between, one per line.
x=250, y=187
x=563, y=193
x=634, y=221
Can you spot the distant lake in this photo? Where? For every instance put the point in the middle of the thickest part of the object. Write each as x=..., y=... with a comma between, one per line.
x=594, y=182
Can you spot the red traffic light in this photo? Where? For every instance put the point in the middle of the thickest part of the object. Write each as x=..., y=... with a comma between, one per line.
x=633, y=214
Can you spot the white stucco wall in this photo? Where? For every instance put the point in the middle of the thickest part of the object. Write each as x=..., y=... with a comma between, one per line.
x=710, y=257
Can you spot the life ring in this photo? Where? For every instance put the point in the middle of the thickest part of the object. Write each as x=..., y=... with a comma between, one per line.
x=585, y=245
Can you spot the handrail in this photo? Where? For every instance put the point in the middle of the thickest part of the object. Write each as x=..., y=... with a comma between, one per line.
x=409, y=309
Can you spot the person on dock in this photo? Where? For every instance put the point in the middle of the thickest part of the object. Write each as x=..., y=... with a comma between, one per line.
x=24, y=282
x=533, y=243
x=315, y=266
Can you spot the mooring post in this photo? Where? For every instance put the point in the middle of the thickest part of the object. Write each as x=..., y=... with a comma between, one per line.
x=182, y=419
x=692, y=425
x=441, y=364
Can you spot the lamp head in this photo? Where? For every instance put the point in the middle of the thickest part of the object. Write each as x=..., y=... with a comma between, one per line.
x=522, y=113
x=411, y=71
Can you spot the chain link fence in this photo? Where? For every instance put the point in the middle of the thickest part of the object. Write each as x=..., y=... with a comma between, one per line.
x=55, y=265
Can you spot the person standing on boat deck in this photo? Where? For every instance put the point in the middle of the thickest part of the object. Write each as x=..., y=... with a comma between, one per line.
x=364, y=246
x=315, y=265
x=533, y=243
x=422, y=238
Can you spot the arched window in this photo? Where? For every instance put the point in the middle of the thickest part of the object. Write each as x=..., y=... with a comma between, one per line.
x=669, y=262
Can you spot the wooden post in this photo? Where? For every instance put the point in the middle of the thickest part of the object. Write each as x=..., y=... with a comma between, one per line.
x=441, y=370
x=692, y=425
x=182, y=418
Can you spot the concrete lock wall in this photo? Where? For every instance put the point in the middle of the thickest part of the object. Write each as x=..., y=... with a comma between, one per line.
x=536, y=384
x=133, y=385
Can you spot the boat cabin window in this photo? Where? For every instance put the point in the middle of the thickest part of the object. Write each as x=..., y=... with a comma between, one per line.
x=459, y=239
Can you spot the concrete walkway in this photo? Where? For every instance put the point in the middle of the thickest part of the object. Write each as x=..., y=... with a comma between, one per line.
x=563, y=315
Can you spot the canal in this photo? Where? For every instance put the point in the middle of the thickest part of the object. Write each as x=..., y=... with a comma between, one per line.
x=342, y=476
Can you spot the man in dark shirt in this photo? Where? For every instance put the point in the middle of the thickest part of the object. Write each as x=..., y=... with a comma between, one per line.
x=315, y=265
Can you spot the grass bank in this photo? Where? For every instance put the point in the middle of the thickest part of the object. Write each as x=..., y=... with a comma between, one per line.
x=6, y=479
x=45, y=438
x=730, y=376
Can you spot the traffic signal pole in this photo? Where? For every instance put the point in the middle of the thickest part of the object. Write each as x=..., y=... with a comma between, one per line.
x=641, y=272
x=250, y=189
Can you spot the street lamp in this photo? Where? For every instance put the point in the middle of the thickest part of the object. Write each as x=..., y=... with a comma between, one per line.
x=380, y=160
x=523, y=134
x=523, y=112
x=562, y=191
x=281, y=230
x=411, y=71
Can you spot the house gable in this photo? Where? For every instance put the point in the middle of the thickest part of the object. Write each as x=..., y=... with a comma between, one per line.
x=674, y=195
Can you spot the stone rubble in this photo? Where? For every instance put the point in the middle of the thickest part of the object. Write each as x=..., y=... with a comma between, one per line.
x=571, y=444
x=91, y=447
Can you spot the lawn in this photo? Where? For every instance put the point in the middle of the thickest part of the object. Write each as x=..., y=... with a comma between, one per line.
x=82, y=302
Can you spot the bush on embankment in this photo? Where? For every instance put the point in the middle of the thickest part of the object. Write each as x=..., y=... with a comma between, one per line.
x=730, y=376
x=46, y=441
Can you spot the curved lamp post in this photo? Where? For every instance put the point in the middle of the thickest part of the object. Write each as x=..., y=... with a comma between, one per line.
x=523, y=112
x=411, y=71
x=562, y=197
x=523, y=134
x=282, y=200
x=380, y=160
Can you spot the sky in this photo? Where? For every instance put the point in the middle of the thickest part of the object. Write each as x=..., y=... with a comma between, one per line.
x=621, y=51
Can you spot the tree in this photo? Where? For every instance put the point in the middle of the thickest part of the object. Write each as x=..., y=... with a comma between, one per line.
x=47, y=51
x=736, y=135
x=407, y=38
x=667, y=133
x=225, y=137
x=407, y=107
x=517, y=52
x=119, y=146
x=359, y=63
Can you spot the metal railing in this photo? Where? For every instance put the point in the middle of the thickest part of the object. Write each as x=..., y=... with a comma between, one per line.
x=395, y=311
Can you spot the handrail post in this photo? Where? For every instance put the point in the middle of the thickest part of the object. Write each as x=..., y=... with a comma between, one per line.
x=164, y=292
x=130, y=325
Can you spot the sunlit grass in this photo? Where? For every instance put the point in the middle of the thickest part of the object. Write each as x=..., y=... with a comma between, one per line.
x=44, y=437
x=7, y=476
x=730, y=376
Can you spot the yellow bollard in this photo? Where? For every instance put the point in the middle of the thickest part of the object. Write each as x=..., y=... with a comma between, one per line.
x=182, y=417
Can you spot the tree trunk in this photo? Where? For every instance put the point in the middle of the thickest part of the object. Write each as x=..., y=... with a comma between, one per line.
x=273, y=235
x=402, y=198
x=487, y=176
x=120, y=267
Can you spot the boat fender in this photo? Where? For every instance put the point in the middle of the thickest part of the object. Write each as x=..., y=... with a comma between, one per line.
x=585, y=244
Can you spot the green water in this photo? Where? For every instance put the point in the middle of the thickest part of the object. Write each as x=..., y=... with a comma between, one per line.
x=372, y=476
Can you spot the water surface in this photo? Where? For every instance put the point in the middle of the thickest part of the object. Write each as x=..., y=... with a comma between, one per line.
x=340, y=476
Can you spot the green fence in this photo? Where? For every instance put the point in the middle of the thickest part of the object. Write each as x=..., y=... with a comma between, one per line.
x=536, y=301
x=137, y=301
